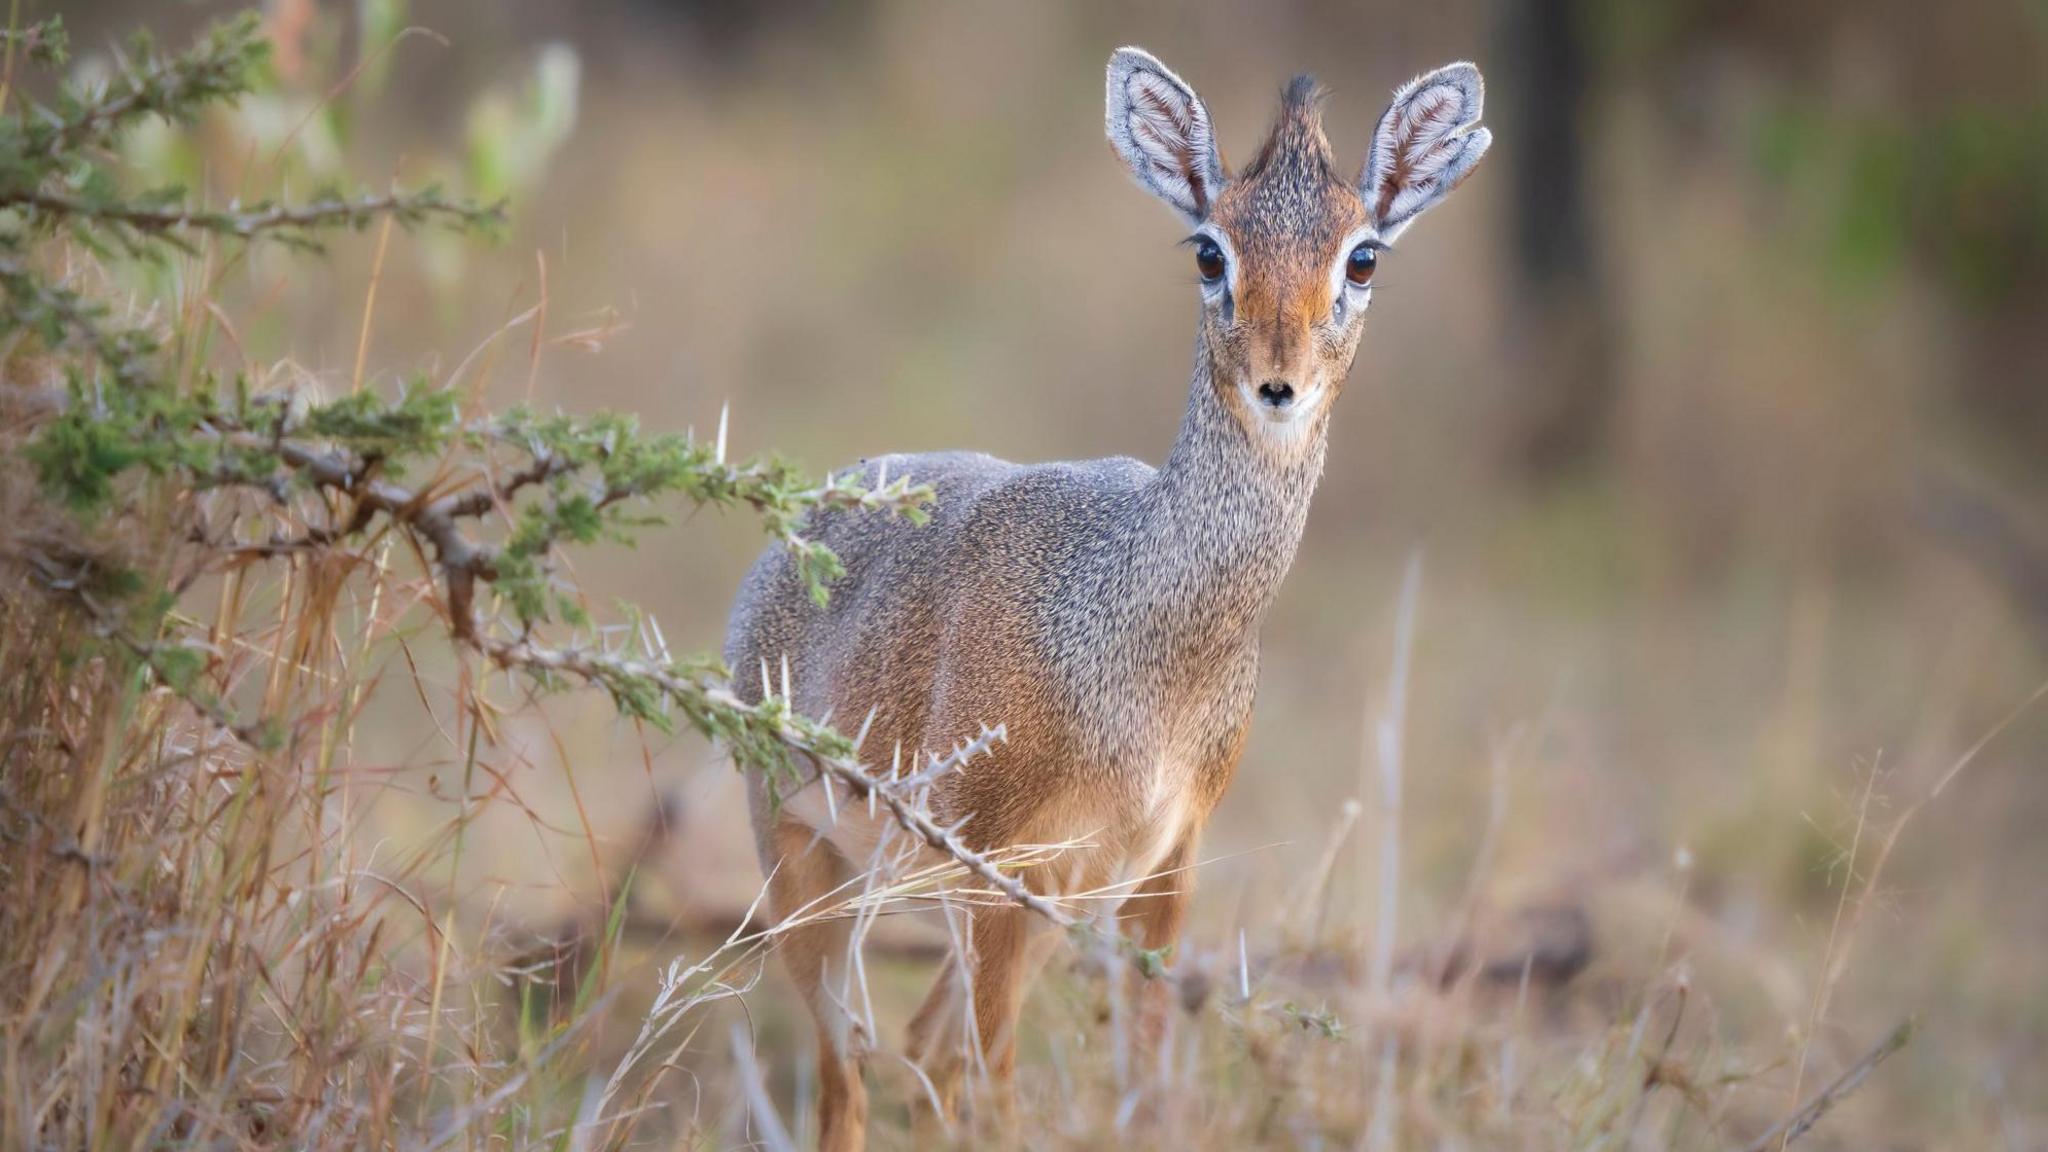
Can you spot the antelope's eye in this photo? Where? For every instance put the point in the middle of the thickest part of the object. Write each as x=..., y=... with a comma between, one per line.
x=1208, y=259
x=1358, y=267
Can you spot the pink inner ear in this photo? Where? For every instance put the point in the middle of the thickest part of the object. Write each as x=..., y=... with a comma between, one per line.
x=1166, y=124
x=1421, y=126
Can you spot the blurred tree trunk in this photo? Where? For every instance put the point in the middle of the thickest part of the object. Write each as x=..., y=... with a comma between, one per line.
x=1557, y=316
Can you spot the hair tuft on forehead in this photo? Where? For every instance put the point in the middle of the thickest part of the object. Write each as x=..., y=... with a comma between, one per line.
x=1303, y=93
x=1296, y=143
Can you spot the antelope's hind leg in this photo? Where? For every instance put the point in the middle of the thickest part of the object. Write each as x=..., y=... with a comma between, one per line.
x=1007, y=945
x=817, y=956
x=934, y=1043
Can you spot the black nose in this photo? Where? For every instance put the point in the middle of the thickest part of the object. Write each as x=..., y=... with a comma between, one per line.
x=1276, y=393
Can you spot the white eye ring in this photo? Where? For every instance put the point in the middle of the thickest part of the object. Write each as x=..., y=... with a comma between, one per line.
x=1342, y=286
x=1225, y=281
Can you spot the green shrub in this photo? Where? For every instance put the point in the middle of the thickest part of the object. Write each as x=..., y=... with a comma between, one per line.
x=197, y=959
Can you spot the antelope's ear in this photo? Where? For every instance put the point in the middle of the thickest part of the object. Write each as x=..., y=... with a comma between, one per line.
x=1426, y=144
x=1158, y=125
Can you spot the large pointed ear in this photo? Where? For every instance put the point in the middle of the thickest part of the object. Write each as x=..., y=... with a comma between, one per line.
x=1158, y=125
x=1426, y=144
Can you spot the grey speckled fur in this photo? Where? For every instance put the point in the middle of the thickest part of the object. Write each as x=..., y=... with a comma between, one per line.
x=1106, y=613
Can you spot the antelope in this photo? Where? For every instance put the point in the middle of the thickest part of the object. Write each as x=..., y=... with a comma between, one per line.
x=1105, y=612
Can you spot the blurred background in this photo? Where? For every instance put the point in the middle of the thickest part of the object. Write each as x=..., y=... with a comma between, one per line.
x=1716, y=405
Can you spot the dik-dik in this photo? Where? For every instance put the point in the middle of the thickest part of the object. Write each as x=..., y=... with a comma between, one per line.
x=1106, y=612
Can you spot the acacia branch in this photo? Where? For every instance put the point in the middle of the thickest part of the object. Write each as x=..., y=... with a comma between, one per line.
x=313, y=216
x=916, y=820
x=217, y=68
x=821, y=746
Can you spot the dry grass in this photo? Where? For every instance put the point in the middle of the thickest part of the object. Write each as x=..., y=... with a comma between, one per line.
x=212, y=952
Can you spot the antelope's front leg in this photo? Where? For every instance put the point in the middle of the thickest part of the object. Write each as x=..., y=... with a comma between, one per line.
x=1152, y=917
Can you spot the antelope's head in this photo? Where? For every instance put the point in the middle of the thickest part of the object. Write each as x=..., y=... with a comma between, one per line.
x=1287, y=248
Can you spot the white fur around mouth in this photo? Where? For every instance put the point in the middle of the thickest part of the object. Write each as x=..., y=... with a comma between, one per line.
x=1294, y=413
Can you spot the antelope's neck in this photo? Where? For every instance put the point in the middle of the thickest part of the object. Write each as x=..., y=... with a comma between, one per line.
x=1222, y=519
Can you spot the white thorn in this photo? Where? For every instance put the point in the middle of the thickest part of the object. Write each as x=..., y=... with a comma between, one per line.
x=767, y=689
x=864, y=726
x=1244, y=970
x=724, y=411
x=785, y=675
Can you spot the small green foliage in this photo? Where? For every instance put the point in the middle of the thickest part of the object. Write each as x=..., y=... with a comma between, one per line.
x=104, y=433
x=1321, y=1021
x=1152, y=962
x=417, y=424
x=631, y=466
x=179, y=667
x=46, y=43
x=145, y=83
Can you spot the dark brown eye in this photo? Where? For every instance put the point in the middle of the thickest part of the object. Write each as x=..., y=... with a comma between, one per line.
x=1358, y=267
x=1208, y=259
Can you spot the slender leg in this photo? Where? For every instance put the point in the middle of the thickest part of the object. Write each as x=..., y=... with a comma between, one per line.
x=1003, y=938
x=1152, y=917
x=816, y=955
x=941, y=1005
x=936, y=1037
x=938, y=1042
